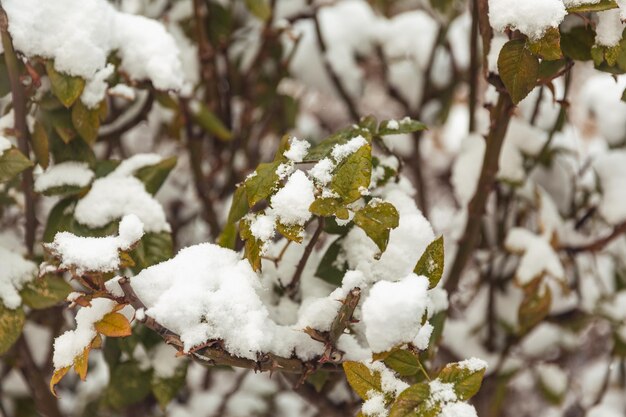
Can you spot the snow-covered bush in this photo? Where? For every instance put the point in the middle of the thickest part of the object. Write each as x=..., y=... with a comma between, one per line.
x=241, y=208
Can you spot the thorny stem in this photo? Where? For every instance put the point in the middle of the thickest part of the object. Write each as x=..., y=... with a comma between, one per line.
x=21, y=128
x=292, y=288
x=500, y=118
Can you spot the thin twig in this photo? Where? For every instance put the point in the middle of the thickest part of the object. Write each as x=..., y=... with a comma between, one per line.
x=292, y=288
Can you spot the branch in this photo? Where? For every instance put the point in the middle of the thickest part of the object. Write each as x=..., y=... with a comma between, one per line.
x=500, y=118
x=354, y=114
x=213, y=353
x=23, y=135
x=600, y=244
x=292, y=288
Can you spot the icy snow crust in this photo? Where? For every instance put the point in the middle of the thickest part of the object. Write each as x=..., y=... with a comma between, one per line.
x=80, y=34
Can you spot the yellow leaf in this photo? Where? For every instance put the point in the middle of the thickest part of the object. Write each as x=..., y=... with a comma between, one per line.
x=81, y=363
x=96, y=343
x=113, y=325
x=56, y=378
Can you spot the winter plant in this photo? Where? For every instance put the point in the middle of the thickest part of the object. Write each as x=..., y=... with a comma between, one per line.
x=241, y=208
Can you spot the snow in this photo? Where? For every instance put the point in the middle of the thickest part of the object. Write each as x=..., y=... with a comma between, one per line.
x=164, y=361
x=14, y=273
x=133, y=164
x=96, y=253
x=322, y=172
x=609, y=28
x=538, y=255
x=604, y=91
x=611, y=171
x=4, y=144
x=457, y=409
x=96, y=87
x=393, y=125
x=291, y=203
x=467, y=166
x=123, y=90
x=442, y=392
x=423, y=336
x=72, y=343
x=553, y=378
x=80, y=34
x=297, y=150
x=262, y=227
x=393, y=311
x=112, y=197
x=522, y=139
x=70, y=173
x=388, y=380
x=531, y=17
x=374, y=406
x=340, y=152
x=473, y=364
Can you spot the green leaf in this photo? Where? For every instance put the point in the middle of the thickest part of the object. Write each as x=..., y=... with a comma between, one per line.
x=211, y=123
x=154, y=176
x=228, y=237
x=370, y=123
x=409, y=401
x=406, y=125
x=324, y=148
x=466, y=381
x=404, y=362
x=260, y=185
x=41, y=145
x=12, y=162
x=577, y=43
x=152, y=249
x=602, y=5
x=518, y=68
x=431, y=262
x=353, y=174
x=63, y=125
x=327, y=207
x=128, y=385
x=624, y=95
x=330, y=269
x=294, y=233
x=166, y=389
x=361, y=379
x=239, y=205
x=318, y=379
x=86, y=121
x=65, y=87
x=549, y=46
x=11, y=324
x=45, y=292
x=377, y=219
x=259, y=8
x=535, y=306
x=252, y=246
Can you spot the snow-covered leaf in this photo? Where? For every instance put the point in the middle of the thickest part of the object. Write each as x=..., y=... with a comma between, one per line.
x=518, y=68
x=260, y=185
x=154, y=176
x=252, y=245
x=353, y=174
x=549, y=46
x=593, y=7
x=465, y=377
x=326, y=207
x=394, y=127
x=404, y=362
x=294, y=233
x=45, y=292
x=431, y=263
x=411, y=401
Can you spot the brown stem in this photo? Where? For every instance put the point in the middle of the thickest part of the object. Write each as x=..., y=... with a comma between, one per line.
x=354, y=114
x=474, y=66
x=292, y=288
x=23, y=135
x=600, y=244
x=500, y=118
x=45, y=403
